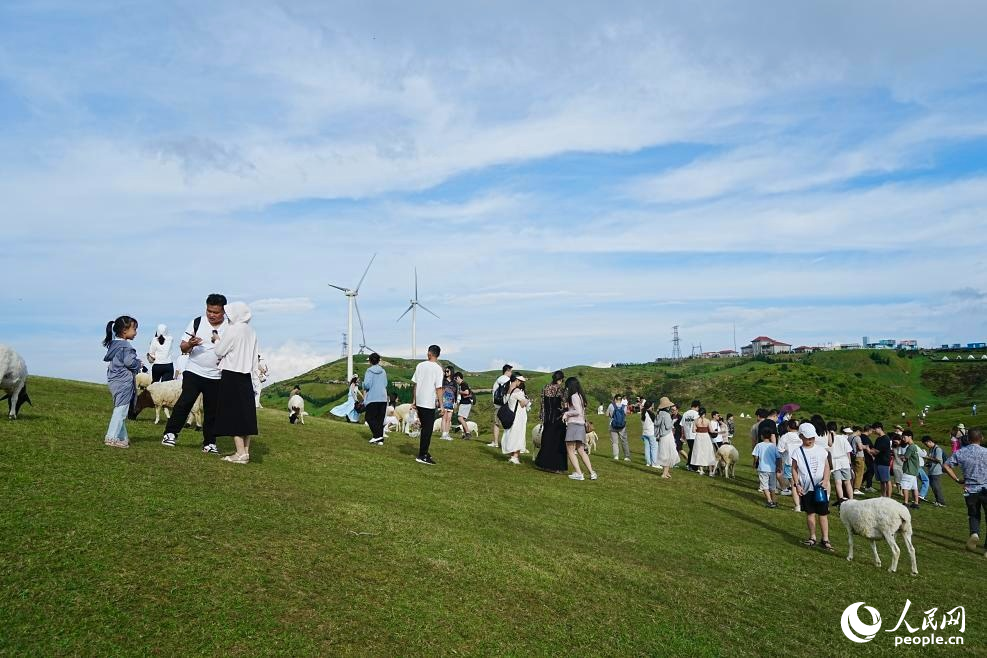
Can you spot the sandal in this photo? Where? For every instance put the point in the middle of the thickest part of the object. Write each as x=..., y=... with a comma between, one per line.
x=809, y=542
x=826, y=546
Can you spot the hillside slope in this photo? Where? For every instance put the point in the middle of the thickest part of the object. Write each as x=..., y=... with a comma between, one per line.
x=324, y=545
x=855, y=386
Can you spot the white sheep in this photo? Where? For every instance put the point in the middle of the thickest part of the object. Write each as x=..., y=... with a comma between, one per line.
x=13, y=380
x=470, y=426
x=726, y=460
x=536, y=435
x=404, y=416
x=877, y=518
x=296, y=409
x=164, y=395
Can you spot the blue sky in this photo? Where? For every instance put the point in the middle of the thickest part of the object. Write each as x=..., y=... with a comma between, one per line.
x=570, y=179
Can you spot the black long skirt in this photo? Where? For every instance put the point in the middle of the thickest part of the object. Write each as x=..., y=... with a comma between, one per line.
x=236, y=412
x=551, y=456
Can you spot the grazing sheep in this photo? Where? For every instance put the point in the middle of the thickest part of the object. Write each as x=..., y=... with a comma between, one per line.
x=536, y=435
x=877, y=518
x=13, y=380
x=472, y=428
x=296, y=409
x=726, y=459
x=143, y=380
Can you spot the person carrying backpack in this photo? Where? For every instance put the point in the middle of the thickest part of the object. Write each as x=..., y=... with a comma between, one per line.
x=617, y=411
x=499, y=394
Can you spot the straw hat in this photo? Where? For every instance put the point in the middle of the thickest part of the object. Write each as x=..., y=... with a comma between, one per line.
x=665, y=403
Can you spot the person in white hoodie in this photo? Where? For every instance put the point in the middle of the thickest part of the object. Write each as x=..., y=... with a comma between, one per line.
x=159, y=355
x=237, y=353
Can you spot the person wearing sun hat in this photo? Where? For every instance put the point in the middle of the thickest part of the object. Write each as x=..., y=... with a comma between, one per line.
x=668, y=455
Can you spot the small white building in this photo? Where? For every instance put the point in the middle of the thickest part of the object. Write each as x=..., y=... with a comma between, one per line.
x=765, y=345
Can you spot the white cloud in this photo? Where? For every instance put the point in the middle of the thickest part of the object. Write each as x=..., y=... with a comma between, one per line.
x=282, y=305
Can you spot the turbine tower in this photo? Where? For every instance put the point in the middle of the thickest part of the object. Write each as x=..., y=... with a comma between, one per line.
x=351, y=303
x=413, y=307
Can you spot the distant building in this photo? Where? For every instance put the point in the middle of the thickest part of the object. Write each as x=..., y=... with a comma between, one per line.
x=806, y=349
x=907, y=344
x=765, y=345
x=976, y=346
x=849, y=346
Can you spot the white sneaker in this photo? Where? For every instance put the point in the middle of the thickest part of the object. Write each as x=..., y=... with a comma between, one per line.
x=592, y=475
x=972, y=542
x=514, y=460
x=785, y=492
x=210, y=449
x=446, y=437
x=492, y=444
x=627, y=459
x=576, y=476
x=858, y=492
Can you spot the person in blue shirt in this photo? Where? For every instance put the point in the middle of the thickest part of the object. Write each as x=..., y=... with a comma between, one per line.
x=766, y=462
x=972, y=458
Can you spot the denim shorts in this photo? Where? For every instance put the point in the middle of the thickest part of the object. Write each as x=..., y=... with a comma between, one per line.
x=883, y=473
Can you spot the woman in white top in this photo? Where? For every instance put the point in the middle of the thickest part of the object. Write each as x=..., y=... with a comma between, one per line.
x=515, y=439
x=668, y=454
x=575, y=429
x=159, y=354
x=648, y=434
x=236, y=414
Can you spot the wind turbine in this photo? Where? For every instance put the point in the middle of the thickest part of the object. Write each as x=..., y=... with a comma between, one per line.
x=351, y=303
x=413, y=307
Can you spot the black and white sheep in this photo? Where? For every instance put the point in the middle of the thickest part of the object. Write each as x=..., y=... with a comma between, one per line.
x=13, y=380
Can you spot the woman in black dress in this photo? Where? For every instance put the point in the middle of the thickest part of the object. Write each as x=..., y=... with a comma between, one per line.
x=551, y=455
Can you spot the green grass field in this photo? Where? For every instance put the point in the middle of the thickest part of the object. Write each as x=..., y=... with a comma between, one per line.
x=326, y=545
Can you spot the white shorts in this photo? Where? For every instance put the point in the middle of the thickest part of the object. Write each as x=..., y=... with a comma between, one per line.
x=464, y=410
x=765, y=479
x=909, y=482
x=842, y=474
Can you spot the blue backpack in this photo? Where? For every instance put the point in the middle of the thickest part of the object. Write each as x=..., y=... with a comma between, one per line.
x=619, y=419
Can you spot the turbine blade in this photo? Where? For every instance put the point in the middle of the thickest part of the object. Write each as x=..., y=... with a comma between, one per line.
x=360, y=318
x=405, y=313
x=365, y=273
x=337, y=288
x=422, y=307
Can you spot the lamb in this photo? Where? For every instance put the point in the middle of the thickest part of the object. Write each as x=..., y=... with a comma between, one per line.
x=726, y=459
x=876, y=518
x=401, y=412
x=296, y=409
x=536, y=435
x=13, y=380
x=591, y=438
x=470, y=426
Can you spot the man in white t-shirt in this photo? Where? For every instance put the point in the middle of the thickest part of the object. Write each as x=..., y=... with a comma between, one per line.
x=810, y=468
x=688, y=423
x=505, y=377
x=788, y=442
x=426, y=391
x=201, y=375
x=842, y=472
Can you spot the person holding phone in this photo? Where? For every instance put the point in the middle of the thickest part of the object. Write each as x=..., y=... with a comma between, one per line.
x=202, y=374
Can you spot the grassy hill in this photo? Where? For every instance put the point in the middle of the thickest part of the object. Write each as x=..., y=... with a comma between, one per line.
x=326, y=545
x=856, y=386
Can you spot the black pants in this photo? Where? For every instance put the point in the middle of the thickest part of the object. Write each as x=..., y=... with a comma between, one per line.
x=427, y=418
x=869, y=474
x=164, y=372
x=691, y=442
x=192, y=386
x=374, y=413
x=976, y=503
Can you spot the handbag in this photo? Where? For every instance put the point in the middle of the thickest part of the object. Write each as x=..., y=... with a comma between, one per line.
x=506, y=416
x=819, y=494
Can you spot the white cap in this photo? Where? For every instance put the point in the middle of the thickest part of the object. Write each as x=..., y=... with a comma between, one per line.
x=848, y=430
x=808, y=431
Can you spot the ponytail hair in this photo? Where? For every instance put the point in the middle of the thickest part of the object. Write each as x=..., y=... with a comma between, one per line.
x=116, y=327
x=161, y=339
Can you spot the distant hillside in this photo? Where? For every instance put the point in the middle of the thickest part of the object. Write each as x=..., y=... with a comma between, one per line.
x=850, y=386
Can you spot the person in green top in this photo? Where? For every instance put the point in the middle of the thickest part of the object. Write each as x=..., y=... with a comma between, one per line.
x=911, y=463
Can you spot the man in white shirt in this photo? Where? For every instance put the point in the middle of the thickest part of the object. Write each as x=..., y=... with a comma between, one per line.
x=426, y=391
x=688, y=423
x=201, y=375
x=505, y=377
x=842, y=472
x=810, y=468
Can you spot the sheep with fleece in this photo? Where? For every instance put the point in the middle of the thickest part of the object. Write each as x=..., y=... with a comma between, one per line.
x=877, y=518
x=726, y=460
x=13, y=380
x=296, y=409
x=163, y=395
